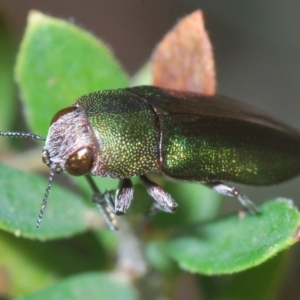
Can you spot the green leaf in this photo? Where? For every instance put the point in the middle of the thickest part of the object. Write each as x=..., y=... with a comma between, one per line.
x=231, y=244
x=87, y=286
x=143, y=76
x=31, y=265
x=57, y=63
x=21, y=198
x=260, y=282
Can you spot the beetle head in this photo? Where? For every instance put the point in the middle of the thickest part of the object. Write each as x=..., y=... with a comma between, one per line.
x=70, y=142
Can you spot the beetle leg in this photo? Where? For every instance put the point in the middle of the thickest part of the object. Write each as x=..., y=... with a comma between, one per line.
x=99, y=199
x=120, y=202
x=155, y=208
x=224, y=189
x=163, y=200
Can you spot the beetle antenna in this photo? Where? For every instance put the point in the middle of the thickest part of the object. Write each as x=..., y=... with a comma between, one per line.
x=44, y=204
x=22, y=135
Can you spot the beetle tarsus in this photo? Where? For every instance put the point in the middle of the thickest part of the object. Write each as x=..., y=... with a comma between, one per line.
x=247, y=203
x=98, y=198
x=226, y=190
x=120, y=201
x=108, y=198
x=106, y=212
x=164, y=201
x=155, y=208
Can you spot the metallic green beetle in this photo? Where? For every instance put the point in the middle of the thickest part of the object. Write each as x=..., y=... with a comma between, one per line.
x=186, y=136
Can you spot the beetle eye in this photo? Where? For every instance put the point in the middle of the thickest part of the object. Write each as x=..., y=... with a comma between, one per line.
x=62, y=112
x=80, y=162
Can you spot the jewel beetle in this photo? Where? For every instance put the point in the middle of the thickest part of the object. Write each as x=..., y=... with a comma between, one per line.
x=185, y=136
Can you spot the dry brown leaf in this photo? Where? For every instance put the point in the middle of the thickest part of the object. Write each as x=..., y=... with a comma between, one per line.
x=184, y=60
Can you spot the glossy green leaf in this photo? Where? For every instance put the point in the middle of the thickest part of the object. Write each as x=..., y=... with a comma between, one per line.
x=21, y=198
x=231, y=244
x=57, y=63
x=91, y=286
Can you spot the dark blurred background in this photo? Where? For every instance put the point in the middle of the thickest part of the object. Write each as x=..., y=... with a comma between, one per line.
x=256, y=45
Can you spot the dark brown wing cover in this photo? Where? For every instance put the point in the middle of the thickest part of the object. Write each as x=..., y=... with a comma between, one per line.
x=217, y=138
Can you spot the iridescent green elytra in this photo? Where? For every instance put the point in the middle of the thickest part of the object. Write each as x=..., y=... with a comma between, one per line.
x=189, y=137
x=186, y=136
